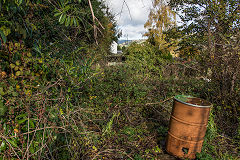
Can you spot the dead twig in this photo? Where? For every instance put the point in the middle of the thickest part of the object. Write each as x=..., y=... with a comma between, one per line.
x=160, y=101
x=53, y=127
x=27, y=140
x=124, y=2
x=10, y=145
x=94, y=24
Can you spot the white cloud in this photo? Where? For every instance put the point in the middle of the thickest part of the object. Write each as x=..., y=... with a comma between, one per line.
x=131, y=21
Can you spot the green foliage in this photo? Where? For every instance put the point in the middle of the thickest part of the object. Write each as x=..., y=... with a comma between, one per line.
x=54, y=105
x=37, y=23
x=46, y=52
x=210, y=150
x=29, y=79
x=3, y=108
x=146, y=58
x=213, y=41
x=3, y=36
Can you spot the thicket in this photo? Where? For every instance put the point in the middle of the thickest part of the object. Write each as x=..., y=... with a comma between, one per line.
x=206, y=45
x=46, y=52
x=55, y=103
x=165, y=77
x=211, y=29
x=208, y=37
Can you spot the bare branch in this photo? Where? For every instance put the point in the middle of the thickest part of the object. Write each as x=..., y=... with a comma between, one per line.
x=94, y=24
x=124, y=2
x=10, y=145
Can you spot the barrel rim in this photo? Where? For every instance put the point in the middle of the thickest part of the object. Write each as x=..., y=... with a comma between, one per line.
x=190, y=104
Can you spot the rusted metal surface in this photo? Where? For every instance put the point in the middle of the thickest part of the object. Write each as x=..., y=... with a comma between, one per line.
x=188, y=126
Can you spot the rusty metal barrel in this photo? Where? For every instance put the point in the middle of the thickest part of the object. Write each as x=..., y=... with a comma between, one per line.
x=188, y=126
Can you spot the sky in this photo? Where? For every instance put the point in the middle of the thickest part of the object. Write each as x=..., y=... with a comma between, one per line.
x=131, y=21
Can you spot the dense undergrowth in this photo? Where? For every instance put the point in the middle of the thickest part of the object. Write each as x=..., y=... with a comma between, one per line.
x=72, y=111
x=56, y=102
x=136, y=116
x=46, y=51
x=130, y=121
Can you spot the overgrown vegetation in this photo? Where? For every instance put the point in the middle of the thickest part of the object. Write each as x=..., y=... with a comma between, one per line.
x=57, y=102
x=47, y=49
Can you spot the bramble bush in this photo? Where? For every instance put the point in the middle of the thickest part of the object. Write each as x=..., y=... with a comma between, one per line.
x=46, y=52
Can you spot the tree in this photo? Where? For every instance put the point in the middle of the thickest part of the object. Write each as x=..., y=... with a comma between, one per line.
x=161, y=19
x=213, y=26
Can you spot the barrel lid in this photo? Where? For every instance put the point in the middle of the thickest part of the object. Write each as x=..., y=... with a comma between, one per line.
x=192, y=101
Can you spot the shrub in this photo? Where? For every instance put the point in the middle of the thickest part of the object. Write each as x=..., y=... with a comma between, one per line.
x=146, y=59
